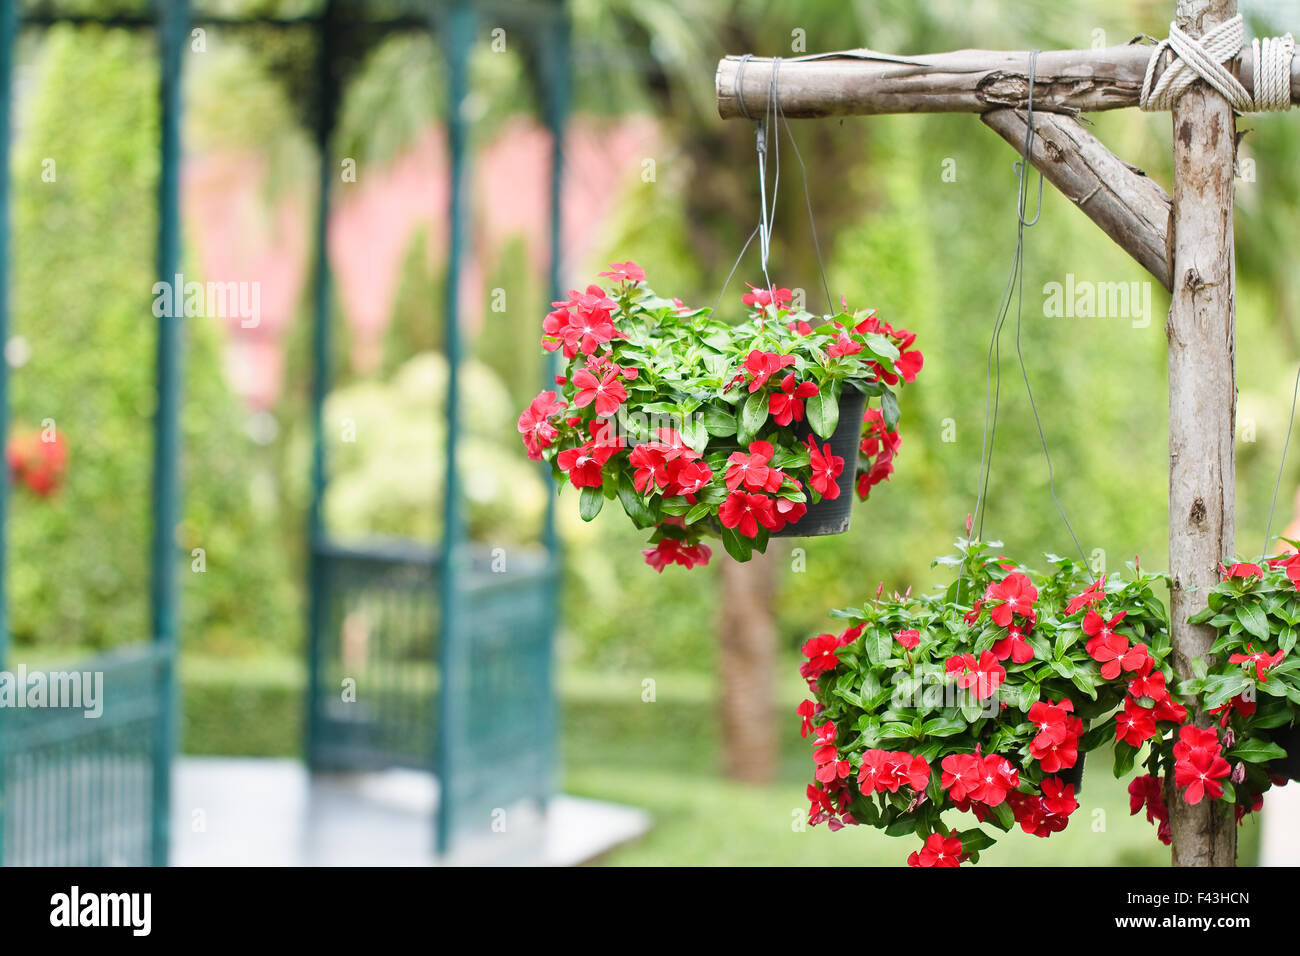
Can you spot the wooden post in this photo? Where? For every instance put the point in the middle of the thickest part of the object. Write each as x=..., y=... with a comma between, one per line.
x=1202, y=400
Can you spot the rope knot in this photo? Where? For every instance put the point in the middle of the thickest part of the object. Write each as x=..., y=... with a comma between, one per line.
x=1205, y=59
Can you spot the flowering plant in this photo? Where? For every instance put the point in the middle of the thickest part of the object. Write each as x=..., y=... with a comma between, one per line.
x=703, y=428
x=37, y=460
x=984, y=698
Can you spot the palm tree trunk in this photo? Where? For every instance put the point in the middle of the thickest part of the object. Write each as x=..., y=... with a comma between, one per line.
x=747, y=656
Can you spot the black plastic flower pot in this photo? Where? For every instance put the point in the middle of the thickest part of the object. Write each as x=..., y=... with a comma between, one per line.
x=831, y=516
x=1288, y=738
x=1074, y=775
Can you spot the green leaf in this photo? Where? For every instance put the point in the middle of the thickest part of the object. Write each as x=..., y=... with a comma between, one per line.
x=752, y=417
x=823, y=414
x=590, y=502
x=902, y=826
x=1254, y=620
x=719, y=423
x=889, y=408
x=1125, y=754
x=737, y=545
x=1255, y=750
x=943, y=727
x=973, y=841
x=636, y=507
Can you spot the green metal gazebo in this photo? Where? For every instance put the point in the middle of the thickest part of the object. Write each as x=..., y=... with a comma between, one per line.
x=456, y=678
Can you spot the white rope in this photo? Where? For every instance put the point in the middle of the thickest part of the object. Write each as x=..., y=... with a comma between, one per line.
x=1204, y=59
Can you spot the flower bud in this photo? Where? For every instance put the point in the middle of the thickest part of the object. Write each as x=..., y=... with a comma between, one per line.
x=1239, y=773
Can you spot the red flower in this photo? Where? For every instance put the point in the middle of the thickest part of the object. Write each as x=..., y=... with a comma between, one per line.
x=671, y=551
x=1238, y=704
x=830, y=767
x=581, y=324
x=1195, y=742
x=1150, y=685
x=1136, y=725
x=844, y=346
x=1261, y=659
x=786, y=405
x=753, y=470
x=807, y=711
x=535, y=424
x=763, y=365
x=820, y=652
x=1017, y=594
x=938, y=850
x=1092, y=594
x=996, y=777
x=908, y=638
x=876, y=771
x=1055, y=757
x=583, y=464
x=1052, y=721
x=1170, y=710
x=624, y=272
x=764, y=297
x=745, y=512
x=825, y=469
x=1200, y=775
x=1105, y=646
x=961, y=774
x=1244, y=571
x=1014, y=646
x=986, y=675
x=607, y=392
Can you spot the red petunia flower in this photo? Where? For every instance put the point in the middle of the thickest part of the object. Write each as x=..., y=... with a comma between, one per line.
x=1200, y=775
x=807, y=710
x=763, y=365
x=671, y=551
x=844, y=345
x=820, y=652
x=761, y=298
x=1261, y=659
x=1052, y=721
x=752, y=469
x=1243, y=571
x=583, y=464
x=535, y=424
x=607, y=391
x=1017, y=595
x=985, y=675
x=908, y=638
x=825, y=468
x=624, y=272
x=938, y=850
x=786, y=405
x=745, y=512
x=1094, y=593
x=1014, y=646
x=1136, y=725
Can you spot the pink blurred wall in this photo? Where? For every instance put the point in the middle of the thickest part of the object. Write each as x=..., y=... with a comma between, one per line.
x=238, y=237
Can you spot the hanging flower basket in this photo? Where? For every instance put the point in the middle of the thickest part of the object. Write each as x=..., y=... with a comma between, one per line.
x=700, y=428
x=984, y=698
x=831, y=515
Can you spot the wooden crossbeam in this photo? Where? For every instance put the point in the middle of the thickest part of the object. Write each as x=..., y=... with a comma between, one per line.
x=864, y=82
x=1128, y=205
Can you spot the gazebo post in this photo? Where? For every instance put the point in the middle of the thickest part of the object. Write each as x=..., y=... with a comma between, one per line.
x=8, y=32
x=173, y=25
x=317, y=568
